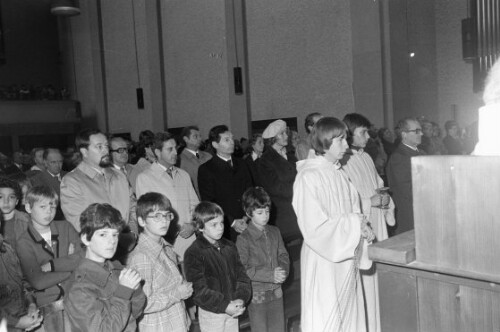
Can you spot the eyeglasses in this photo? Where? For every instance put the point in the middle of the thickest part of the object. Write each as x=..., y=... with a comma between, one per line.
x=162, y=216
x=120, y=150
x=416, y=131
x=101, y=147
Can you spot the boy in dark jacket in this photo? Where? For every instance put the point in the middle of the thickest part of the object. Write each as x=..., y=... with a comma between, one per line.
x=221, y=287
x=103, y=295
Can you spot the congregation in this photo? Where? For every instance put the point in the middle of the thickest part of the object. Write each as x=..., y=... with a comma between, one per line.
x=114, y=235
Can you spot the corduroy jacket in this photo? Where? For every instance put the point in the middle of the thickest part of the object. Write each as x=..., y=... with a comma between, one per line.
x=217, y=275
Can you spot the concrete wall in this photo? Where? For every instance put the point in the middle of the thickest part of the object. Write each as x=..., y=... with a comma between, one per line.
x=436, y=83
x=297, y=57
x=31, y=44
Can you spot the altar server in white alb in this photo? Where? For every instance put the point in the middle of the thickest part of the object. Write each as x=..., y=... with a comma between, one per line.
x=376, y=206
x=335, y=234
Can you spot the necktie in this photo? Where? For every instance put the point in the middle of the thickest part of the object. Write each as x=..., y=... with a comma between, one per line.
x=57, y=177
x=124, y=170
x=197, y=155
x=230, y=163
x=169, y=172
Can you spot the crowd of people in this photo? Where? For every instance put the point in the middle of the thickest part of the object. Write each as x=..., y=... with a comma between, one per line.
x=115, y=236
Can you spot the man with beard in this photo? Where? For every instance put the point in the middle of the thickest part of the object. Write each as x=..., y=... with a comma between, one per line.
x=94, y=181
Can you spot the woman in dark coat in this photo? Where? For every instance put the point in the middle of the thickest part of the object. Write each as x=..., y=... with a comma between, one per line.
x=277, y=173
x=252, y=157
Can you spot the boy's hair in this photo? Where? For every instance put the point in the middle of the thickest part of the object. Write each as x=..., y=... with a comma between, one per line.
x=204, y=212
x=9, y=183
x=255, y=198
x=150, y=202
x=98, y=216
x=323, y=133
x=353, y=121
x=37, y=193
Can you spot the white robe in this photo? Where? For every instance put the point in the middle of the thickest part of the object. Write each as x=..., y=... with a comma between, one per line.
x=363, y=175
x=328, y=214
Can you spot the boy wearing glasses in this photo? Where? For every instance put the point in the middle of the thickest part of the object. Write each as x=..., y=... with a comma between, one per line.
x=155, y=261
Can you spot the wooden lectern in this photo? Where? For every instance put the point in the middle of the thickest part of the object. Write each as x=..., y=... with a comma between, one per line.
x=445, y=275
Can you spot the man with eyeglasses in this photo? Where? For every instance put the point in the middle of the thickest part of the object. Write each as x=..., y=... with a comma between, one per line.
x=119, y=155
x=398, y=172
x=165, y=178
x=94, y=181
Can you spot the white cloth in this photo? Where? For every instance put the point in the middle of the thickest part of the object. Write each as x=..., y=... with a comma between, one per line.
x=178, y=189
x=361, y=171
x=329, y=217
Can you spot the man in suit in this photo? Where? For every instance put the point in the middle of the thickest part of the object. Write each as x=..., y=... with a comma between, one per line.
x=223, y=180
x=51, y=175
x=398, y=172
x=118, y=148
x=191, y=157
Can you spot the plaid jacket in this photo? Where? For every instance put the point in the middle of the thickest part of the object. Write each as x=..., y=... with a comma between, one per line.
x=165, y=311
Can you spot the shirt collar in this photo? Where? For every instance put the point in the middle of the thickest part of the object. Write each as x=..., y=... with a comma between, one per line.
x=90, y=170
x=221, y=157
x=356, y=149
x=191, y=151
x=164, y=168
x=411, y=147
x=254, y=231
x=54, y=175
x=152, y=246
x=206, y=244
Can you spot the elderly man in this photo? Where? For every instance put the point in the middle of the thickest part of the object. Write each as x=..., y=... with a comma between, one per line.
x=223, y=180
x=398, y=172
x=94, y=181
x=164, y=178
x=304, y=145
x=192, y=157
x=118, y=147
x=52, y=174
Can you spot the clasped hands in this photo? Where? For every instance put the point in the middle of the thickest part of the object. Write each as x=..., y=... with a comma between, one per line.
x=235, y=308
x=366, y=230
